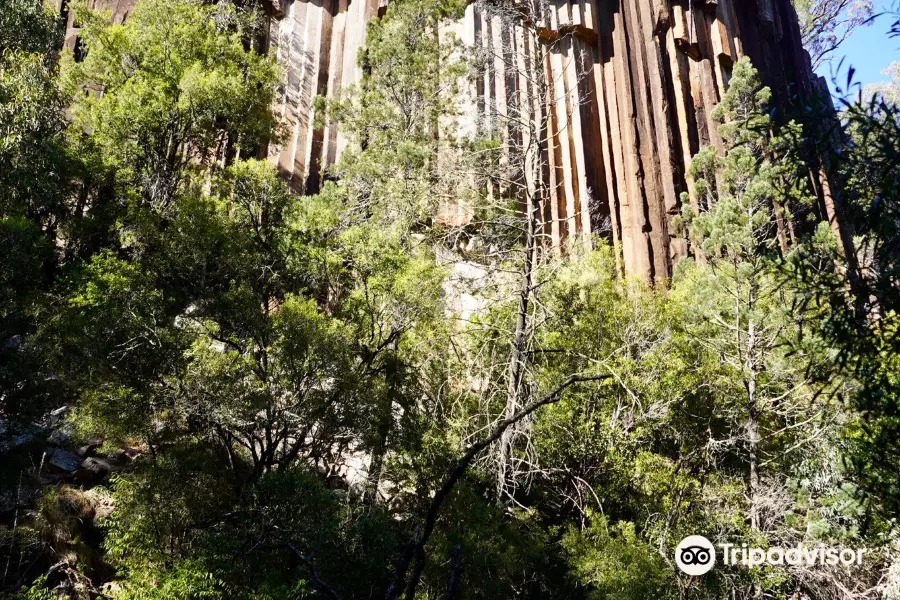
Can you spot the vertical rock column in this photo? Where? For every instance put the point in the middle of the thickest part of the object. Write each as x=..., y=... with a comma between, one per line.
x=632, y=85
x=635, y=86
x=316, y=42
x=632, y=88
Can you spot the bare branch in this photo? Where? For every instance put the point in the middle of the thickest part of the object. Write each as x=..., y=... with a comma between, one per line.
x=415, y=550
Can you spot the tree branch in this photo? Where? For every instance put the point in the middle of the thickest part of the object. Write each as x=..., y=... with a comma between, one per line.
x=414, y=553
x=314, y=579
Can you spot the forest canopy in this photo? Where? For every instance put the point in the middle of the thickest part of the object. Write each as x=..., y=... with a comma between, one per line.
x=212, y=387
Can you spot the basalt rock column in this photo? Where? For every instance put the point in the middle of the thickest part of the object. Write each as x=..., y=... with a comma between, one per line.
x=317, y=42
x=634, y=84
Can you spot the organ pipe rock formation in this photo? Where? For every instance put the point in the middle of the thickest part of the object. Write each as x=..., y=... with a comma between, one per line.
x=635, y=84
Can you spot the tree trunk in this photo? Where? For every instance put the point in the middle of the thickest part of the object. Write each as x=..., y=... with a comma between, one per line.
x=753, y=415
x=379, y=450
x=385, y=418
x=753, y=449
x=516, y=370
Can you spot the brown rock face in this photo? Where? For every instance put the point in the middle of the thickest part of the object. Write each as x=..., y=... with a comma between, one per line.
x=634, y=86
x=637, y=81
x=118, y=10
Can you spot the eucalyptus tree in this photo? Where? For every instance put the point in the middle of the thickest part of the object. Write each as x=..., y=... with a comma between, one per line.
x=827, y=24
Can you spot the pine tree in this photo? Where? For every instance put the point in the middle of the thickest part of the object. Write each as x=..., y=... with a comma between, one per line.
x=739, y=310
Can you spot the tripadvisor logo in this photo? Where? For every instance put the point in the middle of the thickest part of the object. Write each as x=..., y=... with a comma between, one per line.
x=696, y=555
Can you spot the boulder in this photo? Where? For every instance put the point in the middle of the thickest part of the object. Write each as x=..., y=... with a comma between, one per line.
x=121, y=457
x=90, y=448
x=57, y=414
x=13, y=436
x=93, y=470
x=57, y=459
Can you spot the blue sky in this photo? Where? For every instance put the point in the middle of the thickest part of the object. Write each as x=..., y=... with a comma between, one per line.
x=869, y=50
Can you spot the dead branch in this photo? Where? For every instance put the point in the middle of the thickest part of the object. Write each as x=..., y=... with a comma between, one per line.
x=414, y=553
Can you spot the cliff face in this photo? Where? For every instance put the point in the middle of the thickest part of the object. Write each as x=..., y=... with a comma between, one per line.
x=118, y=11
x=318, y=43
x=634, y=85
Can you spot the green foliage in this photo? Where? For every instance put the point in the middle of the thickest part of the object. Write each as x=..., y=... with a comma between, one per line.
x=34, y=168
x=854, y=299
x=178, y=85
x=617, y=564
x=36, y=591
x=772, y=422
x=32, y=161
x=239, y=552
x=111, y=337
x=29, y=27
x=743, y=197
x=411, y=80
x=297, y=379
x=23, y=254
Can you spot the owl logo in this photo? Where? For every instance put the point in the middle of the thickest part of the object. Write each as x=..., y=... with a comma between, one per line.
x=695, y=555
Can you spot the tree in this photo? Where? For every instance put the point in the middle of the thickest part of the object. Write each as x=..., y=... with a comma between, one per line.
x=739, y=310
x=827, y=24
x=387, y=193
x=889, y=91
x=398, y=387
x=180, y=92
x=34, y=171
x=31, y=114
x=739, y=235
x=411, y=82
x=262, y=335
x=858, y=316
x=501, y=223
